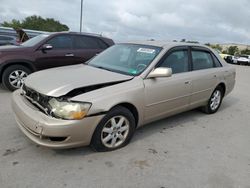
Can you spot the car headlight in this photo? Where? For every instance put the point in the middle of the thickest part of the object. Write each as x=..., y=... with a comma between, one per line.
x=69, y=110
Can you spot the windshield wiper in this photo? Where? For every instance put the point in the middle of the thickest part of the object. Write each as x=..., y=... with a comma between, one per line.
x=104, y=68
x=111, y=70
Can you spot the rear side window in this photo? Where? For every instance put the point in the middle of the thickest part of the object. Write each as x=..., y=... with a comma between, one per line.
x=216, y=62
x=61, y=42
x=202, y=60
x=85, y=42
x=177, y=60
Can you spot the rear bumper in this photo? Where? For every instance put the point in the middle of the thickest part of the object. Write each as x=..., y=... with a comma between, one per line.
x=51, y=132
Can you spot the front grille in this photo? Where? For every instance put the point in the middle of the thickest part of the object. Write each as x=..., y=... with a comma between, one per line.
x=37, y=99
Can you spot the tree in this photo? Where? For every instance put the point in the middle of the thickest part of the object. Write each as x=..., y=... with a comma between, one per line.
x=232, y=50
x=37, y=23
x=216, y=47
x=245, y=51
x=192, y=41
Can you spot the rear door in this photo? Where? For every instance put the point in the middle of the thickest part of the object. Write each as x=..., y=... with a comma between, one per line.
x=169, y=95
x=206, y=74
x=86, y=47
x=62, y=53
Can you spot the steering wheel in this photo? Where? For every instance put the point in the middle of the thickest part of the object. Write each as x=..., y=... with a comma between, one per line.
x=140, y=67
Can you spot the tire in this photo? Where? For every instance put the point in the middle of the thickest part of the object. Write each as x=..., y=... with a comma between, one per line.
x=209, y=108
x=17, y=73
x=106, y=137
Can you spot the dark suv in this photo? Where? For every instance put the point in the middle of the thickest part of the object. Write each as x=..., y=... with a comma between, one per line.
x=46, y=51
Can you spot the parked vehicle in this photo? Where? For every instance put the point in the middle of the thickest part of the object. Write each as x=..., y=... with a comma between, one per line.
x=128, y=85
x=8, y=40
x=47, y=51
x=8, y=31
x=229, y=58
x=242, y=60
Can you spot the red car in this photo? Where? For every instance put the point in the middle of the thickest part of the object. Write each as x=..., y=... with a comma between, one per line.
x=46, y=51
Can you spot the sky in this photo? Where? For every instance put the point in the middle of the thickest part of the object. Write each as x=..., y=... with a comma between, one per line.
x=214, y=21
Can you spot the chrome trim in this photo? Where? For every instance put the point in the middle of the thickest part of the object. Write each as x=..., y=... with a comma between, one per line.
x=45, y=110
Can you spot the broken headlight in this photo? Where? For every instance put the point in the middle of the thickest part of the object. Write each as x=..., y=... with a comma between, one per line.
x=69, y=110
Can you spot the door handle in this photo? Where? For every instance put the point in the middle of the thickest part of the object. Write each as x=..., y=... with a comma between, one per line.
x=69, y=55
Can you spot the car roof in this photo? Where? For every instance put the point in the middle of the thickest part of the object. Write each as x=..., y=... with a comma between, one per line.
x=78, y=33
x=166, y=44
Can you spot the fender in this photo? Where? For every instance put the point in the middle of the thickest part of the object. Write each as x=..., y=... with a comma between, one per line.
x=24, y=62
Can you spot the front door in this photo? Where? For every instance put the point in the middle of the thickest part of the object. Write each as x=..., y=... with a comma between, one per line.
x=168, y=95
x=62, y=53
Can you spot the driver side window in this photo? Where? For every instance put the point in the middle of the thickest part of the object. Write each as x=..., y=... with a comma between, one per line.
x=61, y=42
x=177, y=60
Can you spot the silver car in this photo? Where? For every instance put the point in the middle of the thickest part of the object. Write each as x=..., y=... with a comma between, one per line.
x=102, y=102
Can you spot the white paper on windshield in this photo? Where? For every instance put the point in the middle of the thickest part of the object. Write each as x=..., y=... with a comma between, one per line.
x=146, y=50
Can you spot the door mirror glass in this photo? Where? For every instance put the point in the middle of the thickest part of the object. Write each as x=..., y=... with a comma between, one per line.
x=160, y=72
x=47, y=47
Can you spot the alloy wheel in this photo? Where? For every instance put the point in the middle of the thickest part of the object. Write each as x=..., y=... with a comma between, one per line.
x=115, y=131
x=215, y=100
x=17, y=77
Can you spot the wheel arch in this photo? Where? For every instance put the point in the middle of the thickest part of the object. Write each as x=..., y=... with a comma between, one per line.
x=131, y=108
x=25, y=63
x=223, y=86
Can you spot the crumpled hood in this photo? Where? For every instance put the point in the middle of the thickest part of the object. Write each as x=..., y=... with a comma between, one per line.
x=60, y=81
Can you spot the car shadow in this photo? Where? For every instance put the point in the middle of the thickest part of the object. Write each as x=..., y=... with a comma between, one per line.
x=156, y=127
x=148, y=129
x=82, y=151
x=179, y=120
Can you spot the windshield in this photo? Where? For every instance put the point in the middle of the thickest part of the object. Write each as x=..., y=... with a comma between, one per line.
x=35, y=40
x=129, y=59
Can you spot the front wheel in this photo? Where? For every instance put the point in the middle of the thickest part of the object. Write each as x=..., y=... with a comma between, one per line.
x=214, y=101
x=114, y=131
x=14, y=76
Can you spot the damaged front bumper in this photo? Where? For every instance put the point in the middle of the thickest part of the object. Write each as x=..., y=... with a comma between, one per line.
x=51, y=132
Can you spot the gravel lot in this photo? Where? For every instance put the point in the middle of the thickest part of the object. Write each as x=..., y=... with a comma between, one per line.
x=188, y=150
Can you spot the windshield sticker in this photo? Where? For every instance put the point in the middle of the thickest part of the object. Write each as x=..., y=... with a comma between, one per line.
x=146, y=50
x=132, y=71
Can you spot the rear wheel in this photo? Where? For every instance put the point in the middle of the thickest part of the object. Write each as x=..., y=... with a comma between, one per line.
x=14, y=76
x=114, y=131
x=214, y=101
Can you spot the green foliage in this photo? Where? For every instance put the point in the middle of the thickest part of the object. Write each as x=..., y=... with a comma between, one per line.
x=37, y=23
x=194, y=42
x=216, y=47
x=232, y=50
x=245, y=51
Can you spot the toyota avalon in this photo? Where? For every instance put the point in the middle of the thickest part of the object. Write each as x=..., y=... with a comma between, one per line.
x=102, y=102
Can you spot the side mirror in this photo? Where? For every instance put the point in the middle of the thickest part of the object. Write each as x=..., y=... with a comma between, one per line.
x=46, y=47
x=160, y=72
